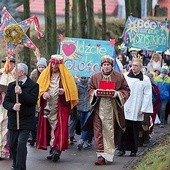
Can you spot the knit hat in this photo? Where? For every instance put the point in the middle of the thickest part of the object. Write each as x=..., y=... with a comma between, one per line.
x=107, y=59
x=42, y=61
x=164, y=71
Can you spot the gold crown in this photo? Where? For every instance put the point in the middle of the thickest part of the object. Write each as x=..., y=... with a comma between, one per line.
x=138, y=58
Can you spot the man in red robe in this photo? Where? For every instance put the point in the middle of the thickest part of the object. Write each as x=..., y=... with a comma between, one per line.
x=57, y=95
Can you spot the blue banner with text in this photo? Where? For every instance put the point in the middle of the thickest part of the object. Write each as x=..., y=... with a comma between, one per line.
x=82, y=56
x=147, y=34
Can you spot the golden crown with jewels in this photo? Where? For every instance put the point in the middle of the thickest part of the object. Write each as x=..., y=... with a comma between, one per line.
x=138, y=58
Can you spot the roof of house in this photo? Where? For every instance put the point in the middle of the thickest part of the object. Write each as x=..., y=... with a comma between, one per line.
x=165, y=3
x=37, y=7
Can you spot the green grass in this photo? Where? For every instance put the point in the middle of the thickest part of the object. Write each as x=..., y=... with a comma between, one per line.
x=158, y=158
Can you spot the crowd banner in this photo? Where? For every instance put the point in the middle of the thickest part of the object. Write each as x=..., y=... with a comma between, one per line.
x=147, y=34
x=82, y=56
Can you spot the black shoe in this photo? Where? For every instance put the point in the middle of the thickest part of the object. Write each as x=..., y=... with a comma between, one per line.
x=32, y=142
x=49, y=157
x=120, y=153
x=132, y=154
x=80, y=146
x=146, y=142
x=12, y=167
x=56, y=155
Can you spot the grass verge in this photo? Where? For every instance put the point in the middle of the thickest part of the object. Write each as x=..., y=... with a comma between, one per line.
x=158, y=158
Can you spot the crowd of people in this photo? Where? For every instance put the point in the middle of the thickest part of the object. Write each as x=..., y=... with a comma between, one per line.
x=48, y=107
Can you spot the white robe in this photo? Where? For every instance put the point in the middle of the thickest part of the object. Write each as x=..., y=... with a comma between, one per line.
x=140, y=99
x=5, y=79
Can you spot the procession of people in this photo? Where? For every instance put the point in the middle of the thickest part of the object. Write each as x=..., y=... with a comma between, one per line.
x=111, y=98
x=110, y=122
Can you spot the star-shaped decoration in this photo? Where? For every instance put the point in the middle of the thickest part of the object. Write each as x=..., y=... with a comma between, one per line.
x=14, y=33
x=113, y=41
x=132, y=24
x=61, y=37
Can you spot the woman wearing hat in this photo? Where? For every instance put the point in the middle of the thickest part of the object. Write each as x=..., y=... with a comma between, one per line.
x=41, y=65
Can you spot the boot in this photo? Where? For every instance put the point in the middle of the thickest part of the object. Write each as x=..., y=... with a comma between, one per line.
x=56, y=155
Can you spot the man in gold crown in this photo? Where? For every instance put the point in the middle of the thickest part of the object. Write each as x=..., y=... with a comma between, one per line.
x=57, y=96
x=138, y=104
x=107, y=111
x=7, y=76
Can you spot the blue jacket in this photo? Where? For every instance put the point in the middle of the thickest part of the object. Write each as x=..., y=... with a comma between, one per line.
x=164, y=87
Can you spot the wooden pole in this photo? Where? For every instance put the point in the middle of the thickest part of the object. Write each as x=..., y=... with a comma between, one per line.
x=17, y=99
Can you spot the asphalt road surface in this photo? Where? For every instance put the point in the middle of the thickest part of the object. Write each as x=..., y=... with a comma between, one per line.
x=72, y=159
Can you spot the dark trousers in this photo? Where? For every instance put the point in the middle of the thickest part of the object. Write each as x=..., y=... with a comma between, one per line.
x=17, y=140
x=128, y=140
x=34, y=131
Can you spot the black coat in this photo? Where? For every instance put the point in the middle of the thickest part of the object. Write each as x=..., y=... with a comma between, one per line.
x=28, y=99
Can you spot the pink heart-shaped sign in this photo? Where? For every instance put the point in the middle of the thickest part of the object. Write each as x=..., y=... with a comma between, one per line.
x=68, y=49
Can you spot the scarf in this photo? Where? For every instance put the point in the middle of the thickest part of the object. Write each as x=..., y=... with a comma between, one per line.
x=70, y=88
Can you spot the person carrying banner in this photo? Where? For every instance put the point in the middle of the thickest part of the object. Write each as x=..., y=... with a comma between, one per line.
x=26, y=92
x=107, y=110
x=57, y=96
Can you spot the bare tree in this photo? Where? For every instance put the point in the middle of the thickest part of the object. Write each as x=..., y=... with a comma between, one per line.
x=90, y=19
x=103, y=19
x=27, y=55
x=133, y=7
x=50, y=27
x=74, y=19
x=67, y=18
x=82, y=18
x=149, y=8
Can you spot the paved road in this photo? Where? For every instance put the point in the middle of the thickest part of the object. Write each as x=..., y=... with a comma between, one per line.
x=73, y=159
